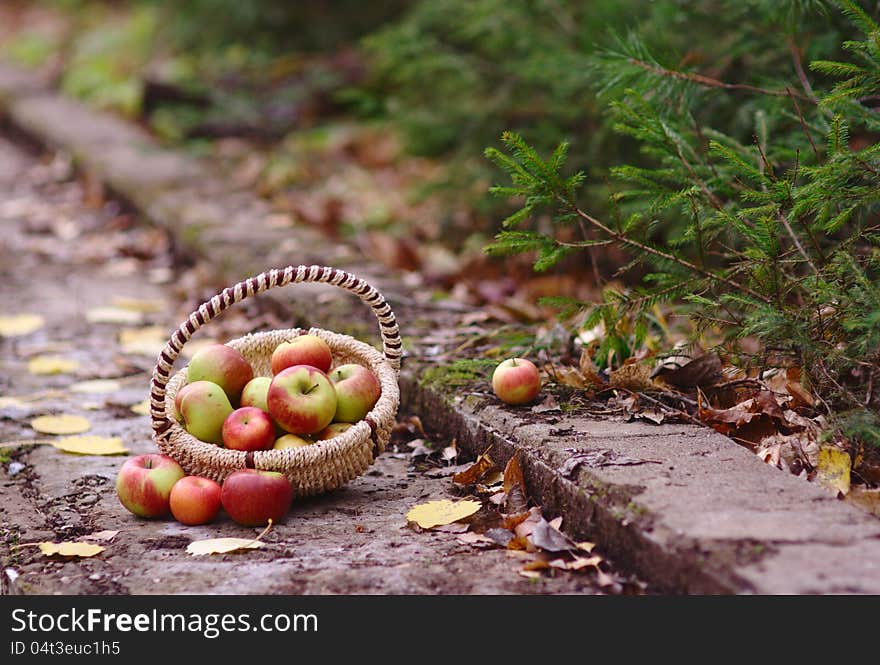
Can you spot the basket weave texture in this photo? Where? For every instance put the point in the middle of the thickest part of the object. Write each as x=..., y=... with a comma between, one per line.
x=324, y=465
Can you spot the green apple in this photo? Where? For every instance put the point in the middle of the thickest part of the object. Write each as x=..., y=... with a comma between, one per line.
x=204, y=408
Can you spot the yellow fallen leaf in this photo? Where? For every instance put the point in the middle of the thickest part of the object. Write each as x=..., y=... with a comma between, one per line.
x=437, y=513
x=138, y=304
x=12, y=402
x=114, y=315
x=147, y=341
x=64, y=423
x=834, y=469
x=96, y=386
x=70, y=549
x=222, y=545
x=20, y=324
x=91, y=445
x=52, y=365
x=141, y=408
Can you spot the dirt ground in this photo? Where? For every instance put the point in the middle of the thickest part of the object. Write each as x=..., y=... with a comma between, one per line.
x=93, y=272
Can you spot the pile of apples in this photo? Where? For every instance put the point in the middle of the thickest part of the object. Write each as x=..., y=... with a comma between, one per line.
x=225, y=404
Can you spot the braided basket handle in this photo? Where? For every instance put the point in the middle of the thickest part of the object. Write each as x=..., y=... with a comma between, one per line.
x=252, y=286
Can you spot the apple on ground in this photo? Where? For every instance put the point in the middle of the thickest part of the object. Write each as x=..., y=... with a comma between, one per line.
x=195, y=500
x=222, y=365
x=204, y=408
x=291, y=441
x=144, y=483
x=333, y=429
x=251, y=497
x=357, y=391
x=516, y=381
x=248, y=428
x=302, y=350
x=302, y=399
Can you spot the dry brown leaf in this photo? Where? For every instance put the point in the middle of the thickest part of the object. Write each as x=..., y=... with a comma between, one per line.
x=514, y=487
x=44, y=365
x=866, y=499
x=477, y=540
x=70, y=549
x=701, y=372
x=20, y=324
x=568, y=376
x=576, y=563
x=546, y=537
x=834, y=466
x=91, y=445
x=476, y=471
x=589, y=371
x=531, y=574
x=64, y=423
x=437, y=513
x=634, y=377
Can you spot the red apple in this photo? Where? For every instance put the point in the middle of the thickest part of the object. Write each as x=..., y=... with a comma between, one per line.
x=252, y=497
x=144, y=483
x=516, y=381
x=301, y=399
x=291, y=441
x=333, y=429
x=195, y=500
x=248, y=428
x=302, y=350
x=222, y=365
x=357, y=390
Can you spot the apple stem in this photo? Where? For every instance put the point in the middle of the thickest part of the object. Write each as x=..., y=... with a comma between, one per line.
x=263, y=532
x=311, y=389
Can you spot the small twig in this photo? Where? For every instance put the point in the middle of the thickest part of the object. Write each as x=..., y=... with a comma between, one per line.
x=672, y=409
x=797, y=243
x=803, y=122
x=710, y=82
x=620, y=237
x=799, y=69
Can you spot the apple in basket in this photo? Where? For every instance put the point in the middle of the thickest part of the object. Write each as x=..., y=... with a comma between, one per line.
x=357, y=391
x=332, y=430
x=195, y=500
x=291, y=441
x=204, y=408
x=302, y=399
x=302, y=350
x=248, y=428
x=144, y=484
x=251, y=497
x=255, y=391
x=222, y=365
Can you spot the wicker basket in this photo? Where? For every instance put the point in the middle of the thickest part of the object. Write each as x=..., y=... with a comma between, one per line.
x=312, y=469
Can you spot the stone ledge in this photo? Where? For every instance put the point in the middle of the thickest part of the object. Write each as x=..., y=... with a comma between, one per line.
x=699, y=516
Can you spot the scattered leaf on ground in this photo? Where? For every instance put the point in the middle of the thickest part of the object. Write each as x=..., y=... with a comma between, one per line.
x=70, y=549
x=20, y=324
x=96, y=386
x=867, y=499
x=52, y=365
x=91, y=445
x=64, y=423
x=118, y=315
x=477, y=540
x=106, y=535
x=634, y=376
x=147, y=341
x=576, y=562
x=701, y=372
x=514, y=488
x=222, y=545
x=834, y=469
x=598, y=458
x=476, y=471
x=138, y=304
x=450, y=452
x=13, y=402
x=141, y=408
x=437, y=513
x=550, y=539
